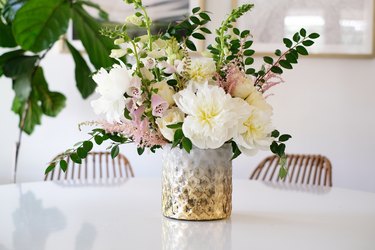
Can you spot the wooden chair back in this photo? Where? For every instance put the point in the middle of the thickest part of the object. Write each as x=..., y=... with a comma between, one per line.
x=302, y=169
x=97, y=166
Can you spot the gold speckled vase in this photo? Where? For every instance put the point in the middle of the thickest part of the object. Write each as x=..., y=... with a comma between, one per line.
x=197, y=185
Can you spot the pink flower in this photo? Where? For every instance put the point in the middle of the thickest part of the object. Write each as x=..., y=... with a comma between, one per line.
x=159, y=105
x=135, y=87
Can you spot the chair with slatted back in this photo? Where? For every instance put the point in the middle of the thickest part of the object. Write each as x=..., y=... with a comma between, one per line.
x=302, y=169
x=98, y=166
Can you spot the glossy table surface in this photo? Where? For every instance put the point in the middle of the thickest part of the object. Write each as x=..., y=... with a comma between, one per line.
x=126, y=215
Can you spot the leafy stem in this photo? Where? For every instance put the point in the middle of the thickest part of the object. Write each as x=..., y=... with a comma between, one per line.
x=148, y=23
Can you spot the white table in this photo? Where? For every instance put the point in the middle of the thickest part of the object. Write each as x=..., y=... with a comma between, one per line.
x=51, y=216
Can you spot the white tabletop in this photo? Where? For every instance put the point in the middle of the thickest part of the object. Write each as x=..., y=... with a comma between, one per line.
x=51, y=216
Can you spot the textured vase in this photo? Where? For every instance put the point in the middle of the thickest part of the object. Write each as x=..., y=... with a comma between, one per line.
x=197, y=185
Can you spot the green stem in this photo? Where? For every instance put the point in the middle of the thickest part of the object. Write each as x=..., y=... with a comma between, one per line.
x=136, y=56
x=148, y=26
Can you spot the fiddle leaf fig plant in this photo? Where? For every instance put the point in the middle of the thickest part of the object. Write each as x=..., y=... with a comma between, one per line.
x=29, y=29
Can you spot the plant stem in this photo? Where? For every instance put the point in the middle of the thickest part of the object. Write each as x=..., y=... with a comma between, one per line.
x=148, y=26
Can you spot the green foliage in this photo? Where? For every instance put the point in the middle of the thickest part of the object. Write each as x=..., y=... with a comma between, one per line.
x=6, y=38
x=278, y=148
x=85, y=84
x=236, y=151
x=179, y=138
x=47, y=19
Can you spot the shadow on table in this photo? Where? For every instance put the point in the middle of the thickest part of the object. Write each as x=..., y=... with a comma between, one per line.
x=86, y=237
x=92, y=183
x=185, y=235
x=34, y=223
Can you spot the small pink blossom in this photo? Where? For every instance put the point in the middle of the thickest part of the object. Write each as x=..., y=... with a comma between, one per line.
x=159, y=105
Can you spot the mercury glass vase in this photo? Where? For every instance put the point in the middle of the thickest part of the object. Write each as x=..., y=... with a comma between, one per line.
x=197, y=185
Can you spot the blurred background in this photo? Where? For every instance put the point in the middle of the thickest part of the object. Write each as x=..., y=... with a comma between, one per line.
x=326, y=102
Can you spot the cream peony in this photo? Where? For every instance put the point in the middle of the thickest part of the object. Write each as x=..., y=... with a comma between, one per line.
x=171, y=116
x=213, y=116
x=165, y=91
x=111, y=86
x=202, y=70
x=256, y=100
x=255, y=133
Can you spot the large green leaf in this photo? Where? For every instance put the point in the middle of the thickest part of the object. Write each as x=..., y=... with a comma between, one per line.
x=97, y=46
x=51, y=102
x=6, y=37
x=33, y=115
x=19, y=65
x=10, y=9
x=40, y=23
x=85, y=84
x=6, y=56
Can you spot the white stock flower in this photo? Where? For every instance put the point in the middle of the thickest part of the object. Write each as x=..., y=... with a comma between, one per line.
x=256, y=99
x=111, y=86
x=255, y=133
x=202, y=69
x=213, y=117
x=244, y=89
x=134, y=19
x=171, y=116
x=165, y=91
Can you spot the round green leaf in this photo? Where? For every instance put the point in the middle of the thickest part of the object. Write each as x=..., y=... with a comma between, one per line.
x=40, y=23
x=301, y=50
x=115, y=151
x=88, y=145
x=285, y=64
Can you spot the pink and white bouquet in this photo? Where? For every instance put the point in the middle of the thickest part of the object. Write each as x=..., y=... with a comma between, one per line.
x=159, y=92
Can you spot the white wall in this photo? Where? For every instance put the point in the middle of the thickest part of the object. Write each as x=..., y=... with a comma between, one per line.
x=326, y=104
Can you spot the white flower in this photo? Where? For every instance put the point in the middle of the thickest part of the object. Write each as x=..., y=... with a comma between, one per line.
x=202, y=69
x=255, y=133
x=165, y=91
x=171, y=116
x=213, y=116
x=111, y=86
x=256, y=99
x=134, y=19
x=244, y=89
x=148, y=62
x=117, y=53
x=147, y=74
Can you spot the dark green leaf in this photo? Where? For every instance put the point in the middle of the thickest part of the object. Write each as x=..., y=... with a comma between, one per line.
x=249, y=61
x=205, y=30
x=281, y=149
x=140, y=150
x=88, y=145
x=302, y=32
x=18, y=66
x=196, y=10
x=236, y=151
x=190, y=45
x=40, y=23
x=248, y=44
x=285, y=137
x=75, y=158
x=186, y=144
x=172, y=82
x=288, y=43
x=10, y=9
x=278, y=52
x=275, y=133
x=250, y=71
x=195, y=20
x=268, y=59
x=249, y=52
x=198, y=36
x=236, y=31
x=290, y=58
x=175, y=126
x=178, y=135
x=314, y=35
x=115, y=151
x=285, y=64
x=274, y=147
x=81, y=152
x=50, y=168
x=276, y=70
x=6, y=37
x=33, y=115
x=301, y=50
x=308, y=43
x=98, y=47
x=205, y=16
x=296, y=37
x=63, y=165
x=245, y=33
x=98, y=139
x=85, y=84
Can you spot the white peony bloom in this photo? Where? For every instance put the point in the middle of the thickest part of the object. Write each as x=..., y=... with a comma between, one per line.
x=213, y=117
x=202, y=70
x=111, y=86
x=256, y=99
x=165, y=91
x=171, y=116
x=255, y=133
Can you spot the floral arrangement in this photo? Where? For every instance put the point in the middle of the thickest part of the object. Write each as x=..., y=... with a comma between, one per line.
x=160, y=93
